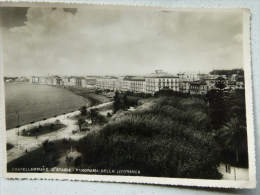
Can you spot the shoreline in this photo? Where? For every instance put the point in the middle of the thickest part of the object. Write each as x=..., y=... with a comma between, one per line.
x=95, y=99
x=90, y=98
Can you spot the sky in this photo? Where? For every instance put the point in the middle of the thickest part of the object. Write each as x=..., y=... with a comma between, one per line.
x=135, y=41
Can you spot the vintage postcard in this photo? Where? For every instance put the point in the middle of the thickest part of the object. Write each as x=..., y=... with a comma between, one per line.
x=131, y=94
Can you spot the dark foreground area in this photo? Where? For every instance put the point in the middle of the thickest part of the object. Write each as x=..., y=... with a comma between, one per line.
x=46, y=156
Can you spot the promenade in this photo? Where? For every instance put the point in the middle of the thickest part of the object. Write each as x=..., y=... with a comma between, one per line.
x=30, y=143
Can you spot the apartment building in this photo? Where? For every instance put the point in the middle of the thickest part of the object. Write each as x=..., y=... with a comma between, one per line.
x=42, y=80
x=189, y=76
x=198, y=87
x=49, y=80
x=184, y=87
x=161, y=80
x=134, y=84
x=56, y=80
x=75, y=81
x=107, y=83
x=211, y=82
x=126, y=84
x=34, y=79
x=88, y=83
x=66, y=81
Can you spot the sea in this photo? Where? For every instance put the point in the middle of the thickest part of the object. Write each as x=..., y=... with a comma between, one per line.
x=34, y=102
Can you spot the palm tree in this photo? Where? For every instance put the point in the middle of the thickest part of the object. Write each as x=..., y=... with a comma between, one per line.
x=233, y=138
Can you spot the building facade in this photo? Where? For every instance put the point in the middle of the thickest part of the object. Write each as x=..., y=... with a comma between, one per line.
x=160, y=80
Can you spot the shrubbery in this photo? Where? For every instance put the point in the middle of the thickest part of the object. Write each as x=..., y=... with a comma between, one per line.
x=168, y=138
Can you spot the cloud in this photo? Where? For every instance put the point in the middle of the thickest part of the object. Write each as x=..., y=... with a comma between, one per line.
x=132, y=41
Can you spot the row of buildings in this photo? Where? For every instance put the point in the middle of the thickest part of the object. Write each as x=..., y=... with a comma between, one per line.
x=197, y=84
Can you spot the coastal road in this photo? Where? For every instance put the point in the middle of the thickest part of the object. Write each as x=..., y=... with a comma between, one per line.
x=23, y=143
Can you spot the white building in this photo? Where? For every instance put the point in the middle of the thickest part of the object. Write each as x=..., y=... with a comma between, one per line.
x=161, y=80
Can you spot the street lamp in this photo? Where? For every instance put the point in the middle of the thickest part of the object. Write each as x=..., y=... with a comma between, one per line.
x=17, y=112
x=18, y=129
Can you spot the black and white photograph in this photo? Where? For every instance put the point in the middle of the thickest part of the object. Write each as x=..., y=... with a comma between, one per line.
x=151, y=95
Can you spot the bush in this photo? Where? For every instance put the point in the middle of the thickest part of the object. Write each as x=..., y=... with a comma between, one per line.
x=52, y=126
x=98, y=91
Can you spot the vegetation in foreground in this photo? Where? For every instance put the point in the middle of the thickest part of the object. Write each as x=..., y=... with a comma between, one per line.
x=46, y=156
x=227, y=113
x=167, y=137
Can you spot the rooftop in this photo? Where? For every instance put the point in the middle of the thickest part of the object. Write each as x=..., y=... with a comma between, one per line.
x=161, y=74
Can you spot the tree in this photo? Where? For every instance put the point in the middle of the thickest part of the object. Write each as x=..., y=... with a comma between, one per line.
x=80, y=122
x=98, y=91
x=57, y=122
x=83, y=110
x=126, y=104
x=52, y=126
x=220, y=83
x=233, y=138
x=228, y=73
x=101, y=120
x=93, y=115
x=45, y=145
x=218, y=104
x=169, y=138
x=117, y=102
